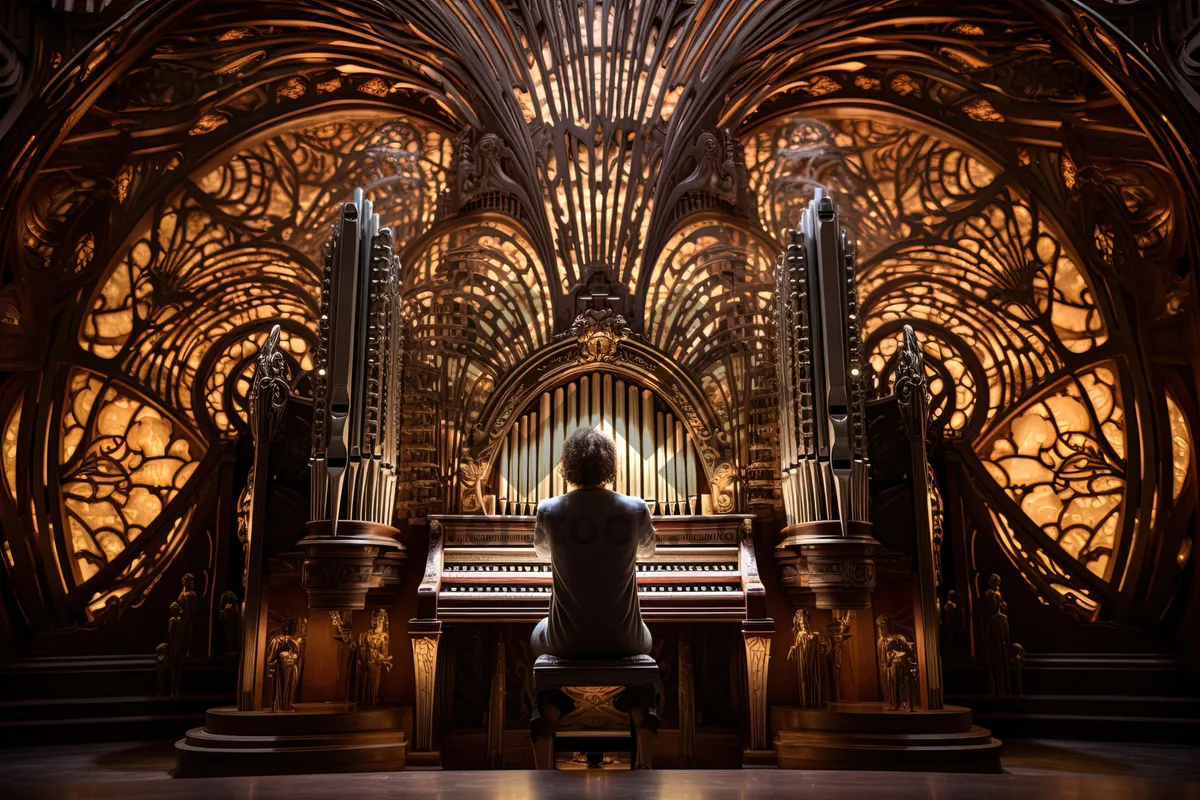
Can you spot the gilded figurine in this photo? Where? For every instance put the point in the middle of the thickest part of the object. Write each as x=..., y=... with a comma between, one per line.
x=806, y=649
x=283, y=665
x=903, y=678
x=230, y=613
x=187, y=602
x=839, y=634
x=374, y=657
x=343, y=634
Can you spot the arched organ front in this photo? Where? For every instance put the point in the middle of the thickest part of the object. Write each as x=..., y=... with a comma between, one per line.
x=656, y=458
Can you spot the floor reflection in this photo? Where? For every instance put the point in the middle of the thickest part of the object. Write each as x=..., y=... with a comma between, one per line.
x=1033, y=769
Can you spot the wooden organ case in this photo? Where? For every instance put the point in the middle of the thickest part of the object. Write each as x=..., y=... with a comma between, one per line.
x=484, y=588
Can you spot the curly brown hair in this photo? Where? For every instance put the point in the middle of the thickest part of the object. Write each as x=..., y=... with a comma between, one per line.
x=589, y=458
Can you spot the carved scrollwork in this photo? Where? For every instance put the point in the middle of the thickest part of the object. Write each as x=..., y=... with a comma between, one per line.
x=599, y=332
x=912, y=392
x=471, y=474
x=271, y=388
x=724, y=484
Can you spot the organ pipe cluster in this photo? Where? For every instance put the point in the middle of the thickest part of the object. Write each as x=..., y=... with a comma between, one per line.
x=356, y=401
x=822, y=429
x=656, y=459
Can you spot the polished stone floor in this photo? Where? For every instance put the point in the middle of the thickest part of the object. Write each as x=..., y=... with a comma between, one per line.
x=1033, y=770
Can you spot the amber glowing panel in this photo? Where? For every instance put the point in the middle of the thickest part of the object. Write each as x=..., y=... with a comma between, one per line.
x=122, y=460
x=1181, y=446
x=1061, y=459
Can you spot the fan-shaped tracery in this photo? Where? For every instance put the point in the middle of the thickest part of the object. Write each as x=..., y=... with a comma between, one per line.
x=1062, y=460
x=708, y=307
x=477, y=301
x=121, y=461
x=586, y=119
x=237, y=246
x=181, y=314
x=953, y=242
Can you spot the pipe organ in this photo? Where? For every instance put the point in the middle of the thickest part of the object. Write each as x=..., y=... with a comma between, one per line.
x=822, y=430
x=656, y=457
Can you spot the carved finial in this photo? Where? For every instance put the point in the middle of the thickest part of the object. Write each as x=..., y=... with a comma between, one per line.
x=911, y=390
x=269, y=393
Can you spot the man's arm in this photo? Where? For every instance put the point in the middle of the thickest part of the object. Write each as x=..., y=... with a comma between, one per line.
x=646, y=538
x=541, y=537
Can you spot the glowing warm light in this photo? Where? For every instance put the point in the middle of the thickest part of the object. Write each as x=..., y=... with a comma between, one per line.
x=1061, y=459
x=1181, y=446
x=122, y=462
x=8, y=450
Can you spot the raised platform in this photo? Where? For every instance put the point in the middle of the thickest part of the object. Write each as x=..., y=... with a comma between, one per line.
x=316, y=737
x=867, y=736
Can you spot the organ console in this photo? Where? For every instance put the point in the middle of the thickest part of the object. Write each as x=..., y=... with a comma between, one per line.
x=482, y=568
x=704, y=570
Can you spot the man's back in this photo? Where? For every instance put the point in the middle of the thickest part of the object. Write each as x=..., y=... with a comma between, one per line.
x=593, y=538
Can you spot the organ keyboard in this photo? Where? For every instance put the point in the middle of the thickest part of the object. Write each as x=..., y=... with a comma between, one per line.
x=485, y=569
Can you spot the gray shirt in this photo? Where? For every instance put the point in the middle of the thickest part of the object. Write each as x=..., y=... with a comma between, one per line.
x=593, y=539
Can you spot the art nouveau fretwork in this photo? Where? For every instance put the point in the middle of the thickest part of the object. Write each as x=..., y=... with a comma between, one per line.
x=1062, y=460
x=538, y=158
x=953, y=243
x=122, y=462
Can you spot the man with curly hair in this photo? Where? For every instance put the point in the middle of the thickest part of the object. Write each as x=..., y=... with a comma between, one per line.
x=593, y=539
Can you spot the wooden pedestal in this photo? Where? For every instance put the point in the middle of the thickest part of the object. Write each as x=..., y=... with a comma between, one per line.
x=316, y=737
x=866, y=736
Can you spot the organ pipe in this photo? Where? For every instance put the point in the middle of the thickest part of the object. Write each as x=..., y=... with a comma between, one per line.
x=822, y=430
x=656, y=458
x=356, y=421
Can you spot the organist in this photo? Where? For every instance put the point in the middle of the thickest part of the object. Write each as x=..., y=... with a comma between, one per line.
x=593, y=539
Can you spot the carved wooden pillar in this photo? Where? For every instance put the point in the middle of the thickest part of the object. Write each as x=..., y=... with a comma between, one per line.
x=495, y=740
x=268, y=398
x=687, y=700
x=425, y=637
x=757, y=631
x=758, y=659
x=913, y=397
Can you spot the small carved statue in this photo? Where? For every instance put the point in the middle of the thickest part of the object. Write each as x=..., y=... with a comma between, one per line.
x=903, y=678
x=176, y=646
x=230, y=612
x=806, y=648
x=839, y=634
x=343, y=634
x=883, y=633
x=1016, y=662
x=951, y=623
x=187, y=601
x=374, y=657
x=996, y=637
x=283, y=665
x=162, y=662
